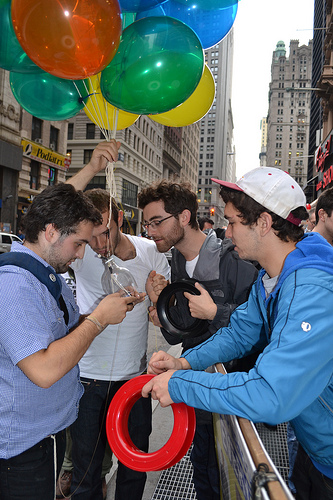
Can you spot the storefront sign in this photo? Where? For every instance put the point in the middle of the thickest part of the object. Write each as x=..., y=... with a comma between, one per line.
x=324, y=163
x=45, y=155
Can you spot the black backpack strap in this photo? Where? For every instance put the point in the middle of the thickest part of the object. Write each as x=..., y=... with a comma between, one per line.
x=44, y=274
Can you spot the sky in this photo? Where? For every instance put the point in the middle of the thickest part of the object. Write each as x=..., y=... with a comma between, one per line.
x=258, y=26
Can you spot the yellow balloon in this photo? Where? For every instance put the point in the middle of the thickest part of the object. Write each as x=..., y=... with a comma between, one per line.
x=194, y=108
x=100, y=112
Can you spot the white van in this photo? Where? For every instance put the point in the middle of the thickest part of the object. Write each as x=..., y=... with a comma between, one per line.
x=6, y=240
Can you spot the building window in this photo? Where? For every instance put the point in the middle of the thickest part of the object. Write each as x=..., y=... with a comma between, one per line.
x=54, y=134
x=52, y=176
x=130, y=193
x=87, y=154
x=70, y=131
x=34, y=174
x=36, y=130
x=90, y=131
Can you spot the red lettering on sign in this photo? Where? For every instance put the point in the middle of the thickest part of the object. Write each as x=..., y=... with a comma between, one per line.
x=322, y=154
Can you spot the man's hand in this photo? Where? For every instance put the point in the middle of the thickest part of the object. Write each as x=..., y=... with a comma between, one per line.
x=154, y=285
x=201, y=306
x=103, y=153
x=162, y=361
x=153, y=316
x=113, y=308
x=158, y=388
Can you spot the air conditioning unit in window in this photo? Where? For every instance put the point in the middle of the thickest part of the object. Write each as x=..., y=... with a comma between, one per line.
x=39, y=141
x=52, y=146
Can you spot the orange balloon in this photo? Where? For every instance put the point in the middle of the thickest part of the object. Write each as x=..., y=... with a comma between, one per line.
x=70, y=39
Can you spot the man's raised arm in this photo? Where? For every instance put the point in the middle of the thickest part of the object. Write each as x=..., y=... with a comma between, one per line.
x=103, y=153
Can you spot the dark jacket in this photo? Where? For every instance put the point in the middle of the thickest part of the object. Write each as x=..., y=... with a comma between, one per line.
x=227, y=278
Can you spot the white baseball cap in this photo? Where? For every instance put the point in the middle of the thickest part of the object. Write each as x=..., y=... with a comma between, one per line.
x=273, y=188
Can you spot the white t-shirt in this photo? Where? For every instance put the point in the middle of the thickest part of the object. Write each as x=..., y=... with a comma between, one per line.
x=119, y=352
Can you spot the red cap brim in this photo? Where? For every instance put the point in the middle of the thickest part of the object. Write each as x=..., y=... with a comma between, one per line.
x=230, y=185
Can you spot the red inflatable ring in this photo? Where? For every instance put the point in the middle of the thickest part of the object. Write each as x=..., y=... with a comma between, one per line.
x=121, y=443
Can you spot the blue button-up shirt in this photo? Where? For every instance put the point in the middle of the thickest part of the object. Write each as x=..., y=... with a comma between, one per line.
x=30, y=320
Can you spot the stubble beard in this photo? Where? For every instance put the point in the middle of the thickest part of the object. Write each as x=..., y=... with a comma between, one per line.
x=165, y=244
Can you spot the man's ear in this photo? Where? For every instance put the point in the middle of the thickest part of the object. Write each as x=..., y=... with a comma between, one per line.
x=184, y=217
x=265, y=223
x=321, y=214
x=120, y=218
x=51, y=233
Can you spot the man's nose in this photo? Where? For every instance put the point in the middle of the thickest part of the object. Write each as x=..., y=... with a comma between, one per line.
x=98, y=241
x=80, y=252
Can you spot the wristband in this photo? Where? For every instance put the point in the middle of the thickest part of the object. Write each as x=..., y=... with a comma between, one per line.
x=96, y=322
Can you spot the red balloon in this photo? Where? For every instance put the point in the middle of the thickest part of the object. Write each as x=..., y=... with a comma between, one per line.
x=70, y=39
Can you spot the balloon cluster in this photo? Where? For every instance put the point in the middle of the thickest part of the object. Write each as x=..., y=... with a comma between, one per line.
x=116, y=60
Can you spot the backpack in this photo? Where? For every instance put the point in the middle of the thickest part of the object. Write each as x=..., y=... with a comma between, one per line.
x=45, y=274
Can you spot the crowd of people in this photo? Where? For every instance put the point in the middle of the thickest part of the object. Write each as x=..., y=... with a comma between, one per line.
x=264, y=288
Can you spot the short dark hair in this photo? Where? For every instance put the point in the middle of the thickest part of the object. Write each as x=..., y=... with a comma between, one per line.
x=101, y=200
x=202, y=220
x=250, y=211
x=176, y=197
x=325, y=201
x=61, y=205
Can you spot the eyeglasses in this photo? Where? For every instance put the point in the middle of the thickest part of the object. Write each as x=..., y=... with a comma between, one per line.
x=155, y=223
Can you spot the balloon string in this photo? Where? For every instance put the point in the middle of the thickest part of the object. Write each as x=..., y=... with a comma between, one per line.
x=115, y=122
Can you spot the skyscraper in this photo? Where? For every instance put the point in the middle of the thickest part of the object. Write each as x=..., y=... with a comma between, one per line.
x=289, y=109
x=217, y=154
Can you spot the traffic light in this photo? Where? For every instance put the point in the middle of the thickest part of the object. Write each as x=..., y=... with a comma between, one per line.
x=212, y=212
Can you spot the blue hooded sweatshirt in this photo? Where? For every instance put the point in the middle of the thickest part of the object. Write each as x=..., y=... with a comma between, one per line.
x=292, y=378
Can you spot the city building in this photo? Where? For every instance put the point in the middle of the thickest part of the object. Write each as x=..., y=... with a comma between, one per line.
x=288, y=117
x=32, y=156
x=10, y=154
x=316, y=113
x=190, y=154
x=263, y=145
x=321, y=174
x=217, y=153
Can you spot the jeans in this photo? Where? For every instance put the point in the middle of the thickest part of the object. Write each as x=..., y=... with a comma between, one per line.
x=292, y=444
x=310, y=483
x=30, y=475
x=206, y=477
x=89, y=441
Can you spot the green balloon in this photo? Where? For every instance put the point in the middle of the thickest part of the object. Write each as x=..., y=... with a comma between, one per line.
x=46, y=96
x=158, y=65
x=12, y=56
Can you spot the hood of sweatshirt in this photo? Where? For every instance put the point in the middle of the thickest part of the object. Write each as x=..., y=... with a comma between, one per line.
x=312, y=251
x=207, y=267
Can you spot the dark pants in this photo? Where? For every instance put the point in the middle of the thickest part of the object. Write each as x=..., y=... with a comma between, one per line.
x=89, y=440
x=206, y=477
x=309, y=482
x=30, y=475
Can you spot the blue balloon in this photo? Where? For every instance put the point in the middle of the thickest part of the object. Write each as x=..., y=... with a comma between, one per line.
x=156, y=11
x=138, y=5
x=209, y=4
x=211, y=26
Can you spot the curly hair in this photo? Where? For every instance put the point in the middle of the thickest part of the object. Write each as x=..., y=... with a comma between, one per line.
x=250, y=211
x=61, y=205
x=176, y=197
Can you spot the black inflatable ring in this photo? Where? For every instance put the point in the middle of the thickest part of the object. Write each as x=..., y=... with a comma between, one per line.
x=197, y=328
